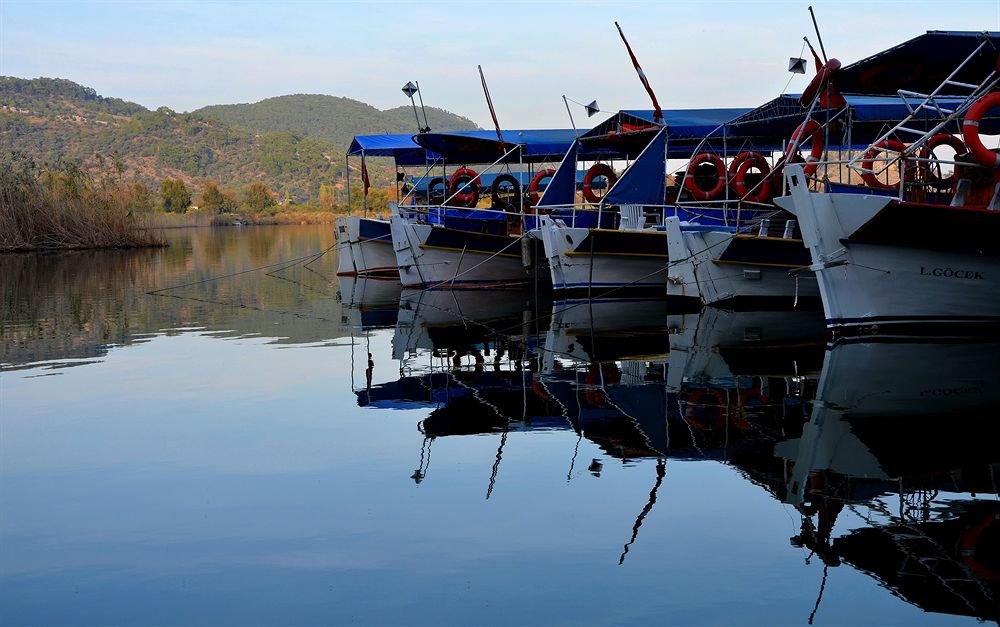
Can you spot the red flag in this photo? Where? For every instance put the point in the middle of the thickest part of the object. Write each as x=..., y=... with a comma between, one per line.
x=364, y=175
x=657, y=112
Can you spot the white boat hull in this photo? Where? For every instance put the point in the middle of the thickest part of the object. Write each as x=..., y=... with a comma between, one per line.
x=595, y=262
x=884, y=270
x=719, y=267
x=432, y=256
x=364, y=247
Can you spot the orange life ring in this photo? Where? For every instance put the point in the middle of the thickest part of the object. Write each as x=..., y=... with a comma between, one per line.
x=596, y=170
x=819, y=82
x=970, y=130
x=945, y=139
x=967, y=544
x=808, y=128
x=869, y=159
x=536, y=181
x=692, y=186
x=694, y=414
x=467, y=178
x=737, y=160
x=763, y=190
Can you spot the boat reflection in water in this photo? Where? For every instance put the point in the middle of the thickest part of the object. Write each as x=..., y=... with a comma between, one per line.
x=882, y=449
x=369, y=303
x=904, y=435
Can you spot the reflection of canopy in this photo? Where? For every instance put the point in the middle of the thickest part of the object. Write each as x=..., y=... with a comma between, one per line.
x=921, y=64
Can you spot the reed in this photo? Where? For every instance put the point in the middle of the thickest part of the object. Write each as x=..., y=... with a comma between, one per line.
x=63, y=207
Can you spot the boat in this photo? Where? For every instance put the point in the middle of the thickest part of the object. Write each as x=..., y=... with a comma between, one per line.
x=456, y=244
x=918, y=253
x=614, y=244
x=364, y=242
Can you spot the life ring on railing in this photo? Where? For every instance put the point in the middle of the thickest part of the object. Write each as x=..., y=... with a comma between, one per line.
x=705, y=399
x=596, y=170
x=819, y=82
x=868, y=176
x=536, y=182
x=691, y=184
x=437, y=181
x=497, y=200
x=464, y=178
x=943, y=139
x=967, y=545
x=762, y=191
x=808, y=128
x=737, y=160
x=970, y=130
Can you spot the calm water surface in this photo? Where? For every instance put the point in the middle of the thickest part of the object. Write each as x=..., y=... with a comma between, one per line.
x=196, y=436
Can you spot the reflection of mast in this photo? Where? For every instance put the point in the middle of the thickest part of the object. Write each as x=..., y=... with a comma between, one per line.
x=420, y=473
x=661, y=470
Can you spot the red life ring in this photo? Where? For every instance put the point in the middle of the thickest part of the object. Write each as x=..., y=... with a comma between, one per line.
x=692, y=186
x=945, y=139
x=866, y=164
x=737, y=160
x=467, y=178
x=967, y=544
x=803, y=131
x=704, y=398
x=819, y=82
x=752, y=160
x=596, y=170
x=536, y=181
x=970, y=130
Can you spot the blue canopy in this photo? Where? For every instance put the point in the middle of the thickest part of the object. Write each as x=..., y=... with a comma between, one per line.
x=484, y=147
x=628, y=132
x=921, y=64
x=402, y=148
x=646, y=179
x=561, y=189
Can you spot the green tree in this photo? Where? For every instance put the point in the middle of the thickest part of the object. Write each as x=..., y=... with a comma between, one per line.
x=175, y=196
x=258, y=198
x=212, y=198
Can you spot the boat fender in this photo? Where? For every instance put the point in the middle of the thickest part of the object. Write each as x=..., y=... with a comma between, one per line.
x=762, y=193
x=819, y=83
x=595, y=171
x=808, y=128
x=869, y=177
x=943, y=139
x=536, y=181
x=970, y=130
x=464, y=178
x=692, y=185
x=496, y=198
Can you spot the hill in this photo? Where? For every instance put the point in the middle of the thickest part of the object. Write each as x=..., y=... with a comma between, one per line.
x=328, y=118
x=292, y=144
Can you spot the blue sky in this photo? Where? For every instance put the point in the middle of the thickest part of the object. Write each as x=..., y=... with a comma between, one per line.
x=710, y=53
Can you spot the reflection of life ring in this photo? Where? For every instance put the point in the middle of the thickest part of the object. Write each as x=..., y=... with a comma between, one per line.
x=691, y=184
x=819, y=82
x=595, y=171
x=943, y=139
x=869, y=159
x=700, y=407
x=536, y=181
x=971, y=537
x=808, y=128
x=970, y=130
x=762, y=191
x=464, y=178
x=497, y=194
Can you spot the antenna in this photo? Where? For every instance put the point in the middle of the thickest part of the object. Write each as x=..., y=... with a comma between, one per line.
x=409, y=89
x=420, y=94
x=591, y=109
x=818, y=36
x=493, y=114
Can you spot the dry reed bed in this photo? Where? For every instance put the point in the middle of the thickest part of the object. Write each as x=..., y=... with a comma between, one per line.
x=62, y=207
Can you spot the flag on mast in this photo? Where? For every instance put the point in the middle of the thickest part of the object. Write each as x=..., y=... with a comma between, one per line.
x=657, y=112
x=364, y=174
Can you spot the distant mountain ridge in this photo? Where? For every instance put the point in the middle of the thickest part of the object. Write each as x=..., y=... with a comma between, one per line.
x=293, y=144
x=329, y=118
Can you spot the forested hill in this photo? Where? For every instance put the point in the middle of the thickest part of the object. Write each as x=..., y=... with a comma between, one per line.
x=329, y=118
x=296, y=146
